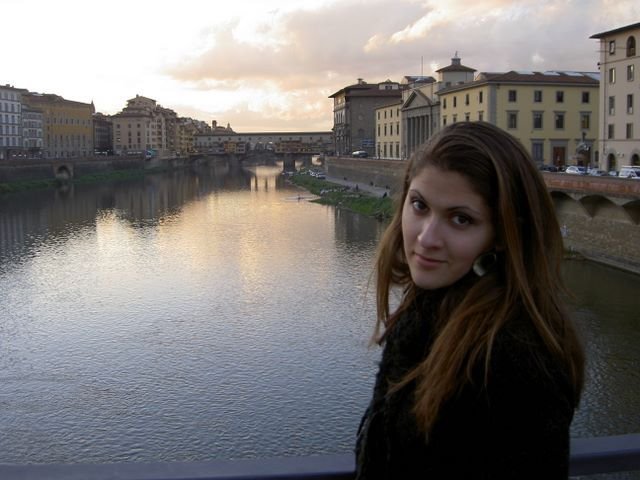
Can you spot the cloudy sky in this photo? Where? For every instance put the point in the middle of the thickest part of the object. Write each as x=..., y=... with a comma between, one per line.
x=265, y=65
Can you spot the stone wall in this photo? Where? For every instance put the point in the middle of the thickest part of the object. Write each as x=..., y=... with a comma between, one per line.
x=381, y=173
x=610, y=239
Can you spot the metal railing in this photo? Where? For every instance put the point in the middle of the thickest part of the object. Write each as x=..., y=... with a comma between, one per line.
x=589, y=456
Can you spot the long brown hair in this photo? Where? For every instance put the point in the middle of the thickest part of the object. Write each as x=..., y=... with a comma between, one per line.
x=526, y=278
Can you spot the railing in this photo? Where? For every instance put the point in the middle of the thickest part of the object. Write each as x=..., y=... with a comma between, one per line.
x=589, y=456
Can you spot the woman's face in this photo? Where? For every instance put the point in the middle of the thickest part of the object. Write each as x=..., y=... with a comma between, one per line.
x=446, y=225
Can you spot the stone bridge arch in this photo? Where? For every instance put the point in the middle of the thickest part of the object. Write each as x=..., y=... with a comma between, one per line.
x=63, y=171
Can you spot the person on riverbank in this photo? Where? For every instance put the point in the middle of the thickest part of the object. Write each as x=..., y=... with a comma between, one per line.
x=482, y=368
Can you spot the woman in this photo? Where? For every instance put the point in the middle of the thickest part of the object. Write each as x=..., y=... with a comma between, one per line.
x=481, y=369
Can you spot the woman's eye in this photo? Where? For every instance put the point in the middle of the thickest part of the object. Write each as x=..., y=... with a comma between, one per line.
x=418, y=204
x=462, y=220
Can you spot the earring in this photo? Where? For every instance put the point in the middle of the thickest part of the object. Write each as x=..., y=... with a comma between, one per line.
x=484, y=263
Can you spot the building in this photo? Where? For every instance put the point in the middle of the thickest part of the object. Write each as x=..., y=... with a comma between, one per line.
x=553, y=113
x=68, y=125
x=102, y=134
x=619, y=122
x=32, y=131
x=280, y=142
x=10, y=122
x=421, y=104
x=388, y=130
x=145, y=126
x=354, y=117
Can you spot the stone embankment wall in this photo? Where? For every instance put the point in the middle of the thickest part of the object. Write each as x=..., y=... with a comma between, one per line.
x=381, y=173
x=26, y=170
x=605, y=230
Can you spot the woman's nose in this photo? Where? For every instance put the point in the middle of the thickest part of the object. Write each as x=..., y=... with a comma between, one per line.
x=430, y=235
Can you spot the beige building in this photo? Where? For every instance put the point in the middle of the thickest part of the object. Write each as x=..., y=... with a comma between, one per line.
x=67, y=125
x=389, y=130
x=554, y=114
x=619, y=123
x=145, y=126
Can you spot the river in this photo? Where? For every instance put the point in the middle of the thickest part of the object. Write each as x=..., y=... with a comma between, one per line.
x=217, y=314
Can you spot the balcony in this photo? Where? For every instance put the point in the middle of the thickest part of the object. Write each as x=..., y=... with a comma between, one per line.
x=589, y=456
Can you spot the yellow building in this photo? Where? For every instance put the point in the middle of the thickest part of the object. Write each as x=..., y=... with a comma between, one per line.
x=67, y=125
x=388, y=130
x=554, y=114
x=619, y=93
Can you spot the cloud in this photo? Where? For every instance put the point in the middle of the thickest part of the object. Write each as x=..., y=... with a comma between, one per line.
x=299, y=57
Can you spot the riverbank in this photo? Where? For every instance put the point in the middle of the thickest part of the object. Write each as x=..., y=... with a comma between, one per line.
x=24, y=185
x=366, y=199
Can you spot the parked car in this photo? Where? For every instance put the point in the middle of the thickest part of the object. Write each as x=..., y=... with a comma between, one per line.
x=360, y=153
x=631, y=171
x=598, y=173
x=576, y=170
x=547, y=168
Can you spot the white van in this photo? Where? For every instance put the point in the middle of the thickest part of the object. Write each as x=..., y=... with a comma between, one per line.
x=630, y=172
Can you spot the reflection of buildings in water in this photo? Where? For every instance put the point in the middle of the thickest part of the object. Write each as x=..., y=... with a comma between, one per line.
x=27, y=216
x=264, y=177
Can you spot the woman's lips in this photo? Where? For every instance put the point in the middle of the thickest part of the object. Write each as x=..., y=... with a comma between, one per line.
x=427, y=262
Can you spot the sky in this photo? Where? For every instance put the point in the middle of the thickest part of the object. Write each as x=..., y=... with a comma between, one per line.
x=270, y=65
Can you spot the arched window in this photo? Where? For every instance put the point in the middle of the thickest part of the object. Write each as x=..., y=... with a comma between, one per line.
x=631, y=46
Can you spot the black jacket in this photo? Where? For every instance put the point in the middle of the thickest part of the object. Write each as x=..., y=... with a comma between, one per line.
x=516, y=428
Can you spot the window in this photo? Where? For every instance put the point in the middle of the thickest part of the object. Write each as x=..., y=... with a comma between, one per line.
x=467, y=117
x=611, y=131
x=631, y=46
x=612, y=105
x=512, y=120
x=466, y=99
x=559, y=121
x=378, y=128
x=612, y=47
x=480, y=97
x=630, y=73
x=629, y=131
x=630, y=103
x=513, y=95
x=444, y=103
x=444, y=120
x=560, y=96
x=537, y=96
x=537, y=120
x=536, y=151
x=455, y=102
x=378, y=115
x=480, y=116
x=585, y=97
x=585, y=121
x=454, y=119
x=612, y=75
x=397, y=128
